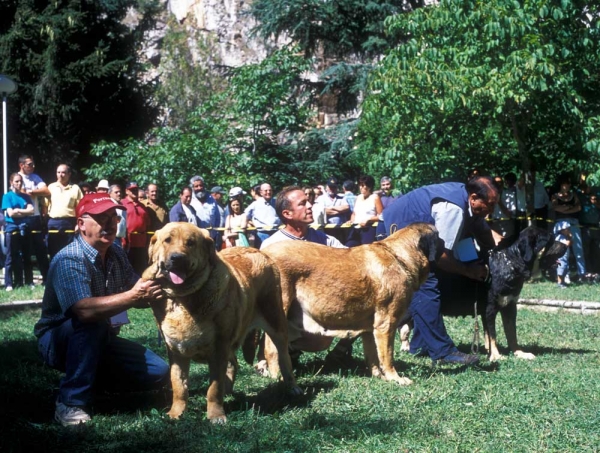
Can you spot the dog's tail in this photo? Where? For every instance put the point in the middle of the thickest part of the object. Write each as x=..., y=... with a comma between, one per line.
x=249, y=346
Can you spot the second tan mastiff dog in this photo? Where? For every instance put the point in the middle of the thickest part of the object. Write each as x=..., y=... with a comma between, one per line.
x=212, y=301
x=330, y=292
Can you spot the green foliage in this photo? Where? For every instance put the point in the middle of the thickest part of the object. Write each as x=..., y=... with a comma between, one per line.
x=237, y=138
x=77, y=69
x=495, y=84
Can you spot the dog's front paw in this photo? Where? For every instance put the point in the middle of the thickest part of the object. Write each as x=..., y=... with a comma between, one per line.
x=294, y=390
x=495, y=357
x=524, y=355
x=401, y=380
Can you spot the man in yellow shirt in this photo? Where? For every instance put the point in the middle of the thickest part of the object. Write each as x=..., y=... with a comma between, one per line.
x=159, y=215
x=64, y=197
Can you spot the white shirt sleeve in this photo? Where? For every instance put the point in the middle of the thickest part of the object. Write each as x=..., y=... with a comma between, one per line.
x=449, y=220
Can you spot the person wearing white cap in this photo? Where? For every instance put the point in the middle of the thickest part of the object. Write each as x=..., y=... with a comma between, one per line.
x=90, y=281
x=103, y=186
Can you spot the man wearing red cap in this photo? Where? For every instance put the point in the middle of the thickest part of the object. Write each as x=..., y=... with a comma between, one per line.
x=90, y=281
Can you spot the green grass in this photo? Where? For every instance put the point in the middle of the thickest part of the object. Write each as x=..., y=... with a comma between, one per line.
x=550, y=404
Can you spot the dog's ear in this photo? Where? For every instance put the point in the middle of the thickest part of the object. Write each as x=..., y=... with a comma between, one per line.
x=151, y=248
x=429, y=243
x=526, y=249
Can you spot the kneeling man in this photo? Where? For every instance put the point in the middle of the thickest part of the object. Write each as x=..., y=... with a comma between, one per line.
x=90, y=281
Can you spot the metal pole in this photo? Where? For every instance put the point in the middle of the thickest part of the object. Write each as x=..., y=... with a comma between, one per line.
x=4, y=146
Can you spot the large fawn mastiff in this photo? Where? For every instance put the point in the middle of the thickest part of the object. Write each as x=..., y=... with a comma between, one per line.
x=212, y=301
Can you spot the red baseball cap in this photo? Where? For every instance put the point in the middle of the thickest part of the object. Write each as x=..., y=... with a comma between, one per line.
x=96, y=203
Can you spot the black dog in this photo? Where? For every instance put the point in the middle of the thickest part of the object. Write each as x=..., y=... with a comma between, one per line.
x=510, y=266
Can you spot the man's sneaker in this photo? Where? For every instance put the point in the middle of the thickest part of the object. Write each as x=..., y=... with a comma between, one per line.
x=458, y=357
x=70, y=415
x=9, y=288
x=567, y=279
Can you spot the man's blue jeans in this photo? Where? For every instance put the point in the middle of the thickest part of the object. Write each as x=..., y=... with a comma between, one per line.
x=92, y=357
x=429, y=335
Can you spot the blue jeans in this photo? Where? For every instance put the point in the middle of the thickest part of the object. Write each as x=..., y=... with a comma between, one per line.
x=57, y=237
x=429, y=335
x=576, y=245
x=93, y=357
x=18, y=260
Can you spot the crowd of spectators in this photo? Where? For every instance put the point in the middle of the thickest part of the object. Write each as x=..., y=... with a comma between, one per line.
x=350, y=215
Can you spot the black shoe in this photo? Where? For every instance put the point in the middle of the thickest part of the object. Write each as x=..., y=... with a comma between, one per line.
x=458, y=357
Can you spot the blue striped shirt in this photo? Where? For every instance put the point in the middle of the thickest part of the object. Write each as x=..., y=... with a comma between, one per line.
x=76, y=273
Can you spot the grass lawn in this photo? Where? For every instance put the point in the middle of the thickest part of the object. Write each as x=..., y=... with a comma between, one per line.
x=550, y=404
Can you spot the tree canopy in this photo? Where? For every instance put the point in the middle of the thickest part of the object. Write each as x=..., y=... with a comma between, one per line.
x=77, y=67
x=495, y=84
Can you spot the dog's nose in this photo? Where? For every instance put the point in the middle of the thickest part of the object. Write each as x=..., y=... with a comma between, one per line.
x=176, y=260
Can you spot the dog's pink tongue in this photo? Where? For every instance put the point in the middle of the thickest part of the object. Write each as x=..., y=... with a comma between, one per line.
x=176, y=279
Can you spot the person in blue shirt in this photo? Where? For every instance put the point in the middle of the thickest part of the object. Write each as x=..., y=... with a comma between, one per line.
x=91, y=281
x=18, y=207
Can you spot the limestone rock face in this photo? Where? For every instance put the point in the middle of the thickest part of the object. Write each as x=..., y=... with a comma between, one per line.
x=225, y=22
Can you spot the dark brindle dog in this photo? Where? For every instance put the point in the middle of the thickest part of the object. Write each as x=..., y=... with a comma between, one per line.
x=509, y=267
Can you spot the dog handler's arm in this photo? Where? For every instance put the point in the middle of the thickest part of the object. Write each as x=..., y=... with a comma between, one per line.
x=475, y=271
x=93, y=309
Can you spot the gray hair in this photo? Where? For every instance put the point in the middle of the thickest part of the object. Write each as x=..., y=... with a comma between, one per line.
x=385, y=179
x=193, y=179
x=112, y=187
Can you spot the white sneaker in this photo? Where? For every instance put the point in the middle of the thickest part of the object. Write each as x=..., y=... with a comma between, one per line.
x=567, y=279
x=70, y=415
x=9, y=288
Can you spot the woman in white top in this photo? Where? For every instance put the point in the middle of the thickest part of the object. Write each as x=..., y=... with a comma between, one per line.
x=235, y=225
x=366, y=212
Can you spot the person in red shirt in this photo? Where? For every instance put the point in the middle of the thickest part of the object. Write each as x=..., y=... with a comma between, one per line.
x=138, y=224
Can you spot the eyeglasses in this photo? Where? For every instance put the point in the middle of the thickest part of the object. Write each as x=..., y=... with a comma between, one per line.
x=103, y=219
x=29, y=164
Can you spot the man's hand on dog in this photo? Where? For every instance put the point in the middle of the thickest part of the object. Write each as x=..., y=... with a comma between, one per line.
x=146, y=291
x=477, y=271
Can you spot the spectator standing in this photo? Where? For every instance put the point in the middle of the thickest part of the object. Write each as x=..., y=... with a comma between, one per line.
x=589, y=218
x=138, y=224
x=567, y=206
x=116, y=195
x=85, y=187
x=385, y=191
x=89, y=281
x=36, y=188
x=64, y=197
x=235, y=224
x=159, y=215
x=541, y=200
x=367, y=210
x=335, y=206
x=103, y=186
x=503, y=214
x=349, y=194
x=217, y=193
x=18, y=209
x=264, y=217
x=206, y=208
x=183, y=211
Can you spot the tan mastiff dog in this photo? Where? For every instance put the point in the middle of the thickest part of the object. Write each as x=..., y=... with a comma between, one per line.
x=212, y=301
x=330, y=292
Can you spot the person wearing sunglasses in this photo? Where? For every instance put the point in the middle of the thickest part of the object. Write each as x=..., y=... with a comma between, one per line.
x=91, y=281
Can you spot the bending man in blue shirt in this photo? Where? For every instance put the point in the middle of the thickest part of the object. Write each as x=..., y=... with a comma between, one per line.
x=458, y=211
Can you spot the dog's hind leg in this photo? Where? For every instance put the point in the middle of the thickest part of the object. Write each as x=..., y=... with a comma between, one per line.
x=180, y=369
x=278, y=359
x=509, y=321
